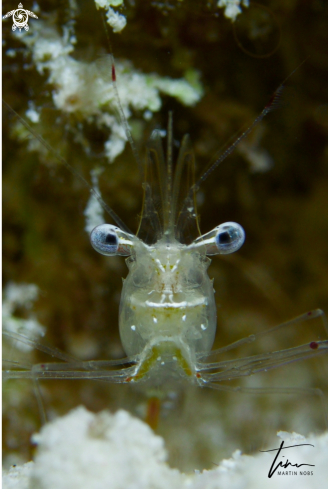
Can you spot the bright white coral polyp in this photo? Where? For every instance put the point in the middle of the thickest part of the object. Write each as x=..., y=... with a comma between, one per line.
x=232, y=7
x=116, y=451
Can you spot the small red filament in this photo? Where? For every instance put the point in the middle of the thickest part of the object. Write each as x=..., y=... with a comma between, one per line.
x=274, y=100
x=113, y=73
x=314, y=345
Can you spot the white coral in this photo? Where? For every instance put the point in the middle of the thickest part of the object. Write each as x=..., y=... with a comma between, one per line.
x=21, y=296
x=116, y=451
x=232, y=7
x=94, y=213
x=86, y=89
x=115, y=20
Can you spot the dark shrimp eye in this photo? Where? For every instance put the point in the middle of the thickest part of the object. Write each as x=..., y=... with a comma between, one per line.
x=229, y=237
x=111, y=239
x=223, y=238
x=104, y=239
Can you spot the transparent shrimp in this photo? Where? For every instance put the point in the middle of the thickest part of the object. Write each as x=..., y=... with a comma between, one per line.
x=167, y=317
x=77, y=315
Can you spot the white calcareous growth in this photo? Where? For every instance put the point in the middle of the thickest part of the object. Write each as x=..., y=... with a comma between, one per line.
x=94, y=213
x=116, y=451
x=86, y=89
x=232, y=7
x=116, y=20
x=21, y=296
x=85, y=450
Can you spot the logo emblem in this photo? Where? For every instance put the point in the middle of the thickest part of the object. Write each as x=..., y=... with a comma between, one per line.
x=20, y=18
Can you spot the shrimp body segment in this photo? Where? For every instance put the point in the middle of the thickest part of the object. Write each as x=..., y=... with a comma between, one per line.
x=167, y=311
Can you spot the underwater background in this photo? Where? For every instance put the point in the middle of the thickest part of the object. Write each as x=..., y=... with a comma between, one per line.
x=275, y=185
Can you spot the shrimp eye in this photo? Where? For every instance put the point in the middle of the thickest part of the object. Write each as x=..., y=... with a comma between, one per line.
x=222, y=240
x=230, y=236
x=110, y=240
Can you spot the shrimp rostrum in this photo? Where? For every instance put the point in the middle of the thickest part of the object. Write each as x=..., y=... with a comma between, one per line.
x=167, y=317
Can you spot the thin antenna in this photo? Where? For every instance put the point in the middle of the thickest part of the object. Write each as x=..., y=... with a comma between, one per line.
x=124, y=121
x=271, y=105
x=169, y=172
x=268, y=108
x=70, y=168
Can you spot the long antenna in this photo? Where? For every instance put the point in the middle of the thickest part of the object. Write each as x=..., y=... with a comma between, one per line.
x=271, y=105
x=123, y=119
x=70, y=168
x=268, y=108
x=169, y=172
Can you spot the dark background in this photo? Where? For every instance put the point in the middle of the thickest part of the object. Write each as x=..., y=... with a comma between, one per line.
x=280, y=272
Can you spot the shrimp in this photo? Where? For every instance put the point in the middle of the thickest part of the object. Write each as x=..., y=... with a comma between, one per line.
x=167, y=317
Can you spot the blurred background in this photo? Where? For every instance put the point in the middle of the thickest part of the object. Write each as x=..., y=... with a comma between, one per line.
x=275, y=185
